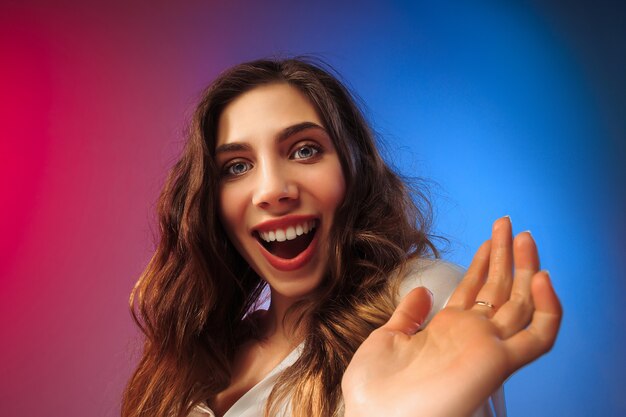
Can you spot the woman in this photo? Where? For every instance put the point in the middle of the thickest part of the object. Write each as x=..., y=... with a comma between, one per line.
x=280, y=187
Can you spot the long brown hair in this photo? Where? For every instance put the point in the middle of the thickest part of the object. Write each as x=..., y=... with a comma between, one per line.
x=191, y=300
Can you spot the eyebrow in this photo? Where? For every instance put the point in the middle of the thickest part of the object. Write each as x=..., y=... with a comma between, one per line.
x=282, y=136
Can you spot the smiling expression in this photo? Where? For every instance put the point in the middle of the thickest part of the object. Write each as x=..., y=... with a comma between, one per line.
x=281, y=183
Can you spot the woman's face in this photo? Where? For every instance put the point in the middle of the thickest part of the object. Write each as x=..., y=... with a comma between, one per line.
x=281, y=183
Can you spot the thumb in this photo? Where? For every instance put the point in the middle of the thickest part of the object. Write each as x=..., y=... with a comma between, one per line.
x=411, y=312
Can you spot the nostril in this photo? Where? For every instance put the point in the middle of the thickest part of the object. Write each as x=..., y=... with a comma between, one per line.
x=267, y=196
x=263, y=204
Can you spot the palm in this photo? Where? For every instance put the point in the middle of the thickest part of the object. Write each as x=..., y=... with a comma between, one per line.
x=467, y=351
x=456, y=351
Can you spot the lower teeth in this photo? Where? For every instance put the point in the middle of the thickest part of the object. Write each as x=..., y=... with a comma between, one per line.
x=289, y=249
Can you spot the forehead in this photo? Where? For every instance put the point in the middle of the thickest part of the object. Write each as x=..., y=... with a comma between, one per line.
x=263, y=112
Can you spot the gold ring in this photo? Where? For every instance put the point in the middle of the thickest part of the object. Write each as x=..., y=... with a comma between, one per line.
x=485, y=303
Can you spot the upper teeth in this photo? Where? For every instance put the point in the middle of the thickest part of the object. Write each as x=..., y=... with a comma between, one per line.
x=290, y=233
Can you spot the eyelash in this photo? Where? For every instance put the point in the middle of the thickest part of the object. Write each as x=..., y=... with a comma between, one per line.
x=315, y=149
x=227, y=170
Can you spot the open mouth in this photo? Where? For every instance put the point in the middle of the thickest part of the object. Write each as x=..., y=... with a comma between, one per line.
x=289, y=242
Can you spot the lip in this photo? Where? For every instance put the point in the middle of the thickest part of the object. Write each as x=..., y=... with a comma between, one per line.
x=282, y=222
x=303, y=257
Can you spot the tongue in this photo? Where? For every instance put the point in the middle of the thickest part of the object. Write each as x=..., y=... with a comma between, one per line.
x=290, y=248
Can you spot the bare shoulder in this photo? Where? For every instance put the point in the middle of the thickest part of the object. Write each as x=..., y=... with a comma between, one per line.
x=439, y=276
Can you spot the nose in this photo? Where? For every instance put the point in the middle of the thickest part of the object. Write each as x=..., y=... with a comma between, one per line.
x=274, y=188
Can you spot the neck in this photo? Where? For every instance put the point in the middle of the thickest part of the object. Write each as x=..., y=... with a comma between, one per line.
x=282, y=326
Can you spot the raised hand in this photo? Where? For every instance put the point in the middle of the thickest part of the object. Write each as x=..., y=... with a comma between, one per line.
x=503, y=315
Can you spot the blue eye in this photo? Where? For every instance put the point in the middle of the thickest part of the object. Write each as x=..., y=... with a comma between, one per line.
x=237, y=168
x=305, y=152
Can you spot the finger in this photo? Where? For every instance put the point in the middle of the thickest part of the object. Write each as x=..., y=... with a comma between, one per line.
x=465, y=293
x=411, y=312
x=539, y=337
x=497, y=287
x=525, y=252
x=517, y=312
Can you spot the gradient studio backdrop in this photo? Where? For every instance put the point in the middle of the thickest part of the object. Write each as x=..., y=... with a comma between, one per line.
x=511, y=107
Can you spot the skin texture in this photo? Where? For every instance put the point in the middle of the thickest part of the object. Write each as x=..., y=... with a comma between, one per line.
x=275, y=180
x=468, y=350
x=271, y=174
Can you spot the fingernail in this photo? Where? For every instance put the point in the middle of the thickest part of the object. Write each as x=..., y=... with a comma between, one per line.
x=498, y=221
x=415, y=328
x=431, y=295
x=527, y=231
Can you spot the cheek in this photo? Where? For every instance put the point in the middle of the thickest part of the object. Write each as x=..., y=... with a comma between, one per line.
x=229, y=209
x=335, y=190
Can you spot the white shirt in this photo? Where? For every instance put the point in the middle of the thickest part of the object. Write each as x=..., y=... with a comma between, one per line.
x=439, y=277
